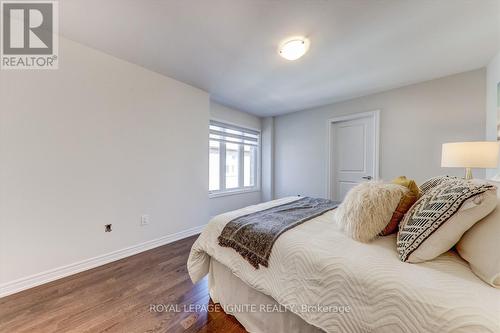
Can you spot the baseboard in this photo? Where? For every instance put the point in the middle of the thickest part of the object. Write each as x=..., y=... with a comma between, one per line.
x=64, y=271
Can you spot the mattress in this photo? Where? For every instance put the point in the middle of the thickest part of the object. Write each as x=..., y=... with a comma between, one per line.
x=315, y=270
x=257, y=312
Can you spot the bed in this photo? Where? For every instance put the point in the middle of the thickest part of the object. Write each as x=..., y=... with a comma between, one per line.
x=318, y=279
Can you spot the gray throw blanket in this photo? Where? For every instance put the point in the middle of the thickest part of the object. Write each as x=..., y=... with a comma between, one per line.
x=253, y=235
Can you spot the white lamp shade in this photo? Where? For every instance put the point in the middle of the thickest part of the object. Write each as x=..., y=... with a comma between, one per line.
x=470, y=154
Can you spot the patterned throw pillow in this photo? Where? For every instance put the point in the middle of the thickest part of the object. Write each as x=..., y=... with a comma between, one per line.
x=439, y=218
x=433, y=182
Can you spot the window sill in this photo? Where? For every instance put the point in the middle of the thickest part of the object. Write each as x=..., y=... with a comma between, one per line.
x=234, y=192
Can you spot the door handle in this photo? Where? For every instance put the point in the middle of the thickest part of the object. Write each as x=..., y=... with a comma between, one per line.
x=367, y=177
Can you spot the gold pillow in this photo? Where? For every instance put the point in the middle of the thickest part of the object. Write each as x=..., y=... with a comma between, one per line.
x=404, y=205
x=409, y=183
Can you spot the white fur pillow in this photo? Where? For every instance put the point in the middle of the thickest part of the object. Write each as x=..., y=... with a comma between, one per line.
x=368, y=208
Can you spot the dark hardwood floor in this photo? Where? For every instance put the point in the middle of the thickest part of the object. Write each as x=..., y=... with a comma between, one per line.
x=118, y=297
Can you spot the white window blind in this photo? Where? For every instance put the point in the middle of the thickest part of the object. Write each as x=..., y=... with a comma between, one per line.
x=233, y=134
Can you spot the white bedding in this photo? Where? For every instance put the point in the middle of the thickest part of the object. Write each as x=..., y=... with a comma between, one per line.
x=314, y=263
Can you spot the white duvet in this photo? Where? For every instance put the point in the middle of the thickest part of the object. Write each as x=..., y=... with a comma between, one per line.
x=315, y=264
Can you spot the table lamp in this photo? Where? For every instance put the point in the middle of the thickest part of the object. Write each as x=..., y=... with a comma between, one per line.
x=468, y=155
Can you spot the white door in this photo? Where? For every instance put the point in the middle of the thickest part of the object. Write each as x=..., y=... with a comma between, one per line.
x=353, y=159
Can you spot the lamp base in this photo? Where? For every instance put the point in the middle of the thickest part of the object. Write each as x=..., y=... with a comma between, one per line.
x=468, y=173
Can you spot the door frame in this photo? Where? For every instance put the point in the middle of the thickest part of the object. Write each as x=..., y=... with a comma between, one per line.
x=375, y=115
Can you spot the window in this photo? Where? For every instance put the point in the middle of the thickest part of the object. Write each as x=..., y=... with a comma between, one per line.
x=233, y=159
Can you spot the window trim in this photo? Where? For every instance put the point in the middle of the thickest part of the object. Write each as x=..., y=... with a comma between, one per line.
x=224, y=193
x=222, y=163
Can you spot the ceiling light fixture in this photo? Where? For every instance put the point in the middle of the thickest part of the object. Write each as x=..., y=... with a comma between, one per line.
x=294, y=48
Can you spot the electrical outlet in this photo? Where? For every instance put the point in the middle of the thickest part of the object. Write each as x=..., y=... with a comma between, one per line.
x=107, y=228
x=145, y=220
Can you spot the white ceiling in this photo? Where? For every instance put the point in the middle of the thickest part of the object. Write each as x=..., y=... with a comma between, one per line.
x=229, y=47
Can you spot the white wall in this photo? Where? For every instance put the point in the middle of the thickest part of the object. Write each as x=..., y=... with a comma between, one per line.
x=233, y=116
x=227, y=203
x=267, y=158
x=415, y=121
x=98, y=141
x=492, y=80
